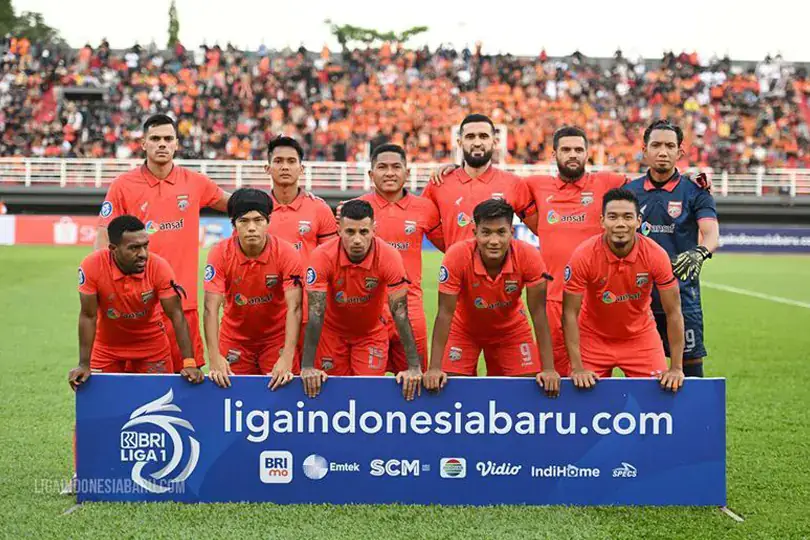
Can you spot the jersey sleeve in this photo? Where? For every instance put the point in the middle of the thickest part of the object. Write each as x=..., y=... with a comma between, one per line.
x=392, y=269
x=291, y=271
x=451, y=272
x=577, y=272
x=703, y=206
x=162, y=278
x=210, y=192
x=661, y=269
x=319, y=271
x=532, y=266
x=429, y=193
x=114, y=204
x=88, y=275
x=327, y=225
x=214, y=274
x=522, y=200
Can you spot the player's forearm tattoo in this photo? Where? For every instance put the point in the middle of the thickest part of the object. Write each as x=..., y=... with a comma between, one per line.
x=399, y=310
x=312, y=334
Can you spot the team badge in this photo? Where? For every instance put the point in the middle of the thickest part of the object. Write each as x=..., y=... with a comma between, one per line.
x=375, y=357
x=567, y=273
x=497, y=196
x=311, y=276
x=444, y=275
x=82, y=277
x=209, y=272
x=146, y=296
x=455, y=354
x=327, y=363
x=410, y=227
x=182, y=202
x=674, y=209
x=233, y=355
x=642, y=279
x=106, y=209
x=270, y=280
x=304, y=227
x=510, y=286
x=371, y=283
x=586, y=198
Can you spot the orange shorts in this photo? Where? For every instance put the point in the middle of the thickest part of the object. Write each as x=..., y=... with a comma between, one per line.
x=104, y=360
x=342, y=355
x=254, y=357
x=396, y=352
x=639, y=356
x=561, y=361
x=511, y=354
x=193, y=320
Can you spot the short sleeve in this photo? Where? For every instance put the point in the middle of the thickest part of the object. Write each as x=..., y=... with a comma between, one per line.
x=451, y=272
x=88, y=273
x=522, y=202
x=577, y=273
x=392, y=269
x=661, y=269
x=532, y=266
x=291, y=270
x=327, y=225
x=319, y=271
x=162, y=278
x=429, y=193
x=703, y=206
x=113, y=205
x=210, y=192
x=432, y=219
x=214, y=274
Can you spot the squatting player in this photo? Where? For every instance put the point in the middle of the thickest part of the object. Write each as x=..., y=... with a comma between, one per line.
x=257, y=276
x=168, y=199
x=480, y=306
x=682, y=219
x=348, y=282
x=402, y=219
x=606, y=303
x=120, y=329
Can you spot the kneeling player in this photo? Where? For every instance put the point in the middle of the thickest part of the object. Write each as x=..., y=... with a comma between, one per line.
x=348, y=281
x=610, y=279
x=258, y=278
x=120, y=329
x=480, y=306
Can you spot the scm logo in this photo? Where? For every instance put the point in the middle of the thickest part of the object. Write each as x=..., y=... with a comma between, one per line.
x=397, y=467
x=275, y=467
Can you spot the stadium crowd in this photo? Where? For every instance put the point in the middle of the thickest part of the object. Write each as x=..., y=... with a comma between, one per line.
x=230, y=103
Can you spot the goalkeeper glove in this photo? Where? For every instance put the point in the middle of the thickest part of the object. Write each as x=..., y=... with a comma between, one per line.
x=688, y=264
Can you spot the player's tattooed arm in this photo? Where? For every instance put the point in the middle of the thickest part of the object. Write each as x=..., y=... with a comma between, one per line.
x=399, y=310
x=312, y=335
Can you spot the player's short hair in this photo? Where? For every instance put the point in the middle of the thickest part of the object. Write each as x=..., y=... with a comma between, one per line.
x=493, y=209
x=620, y=194
x=283, y=141
x=569, y=131
x=123, y=224
x=159, y=120
x=388, y=147
x=356, y=209
x=475, y=117
x=245, y=200
x=663, y=125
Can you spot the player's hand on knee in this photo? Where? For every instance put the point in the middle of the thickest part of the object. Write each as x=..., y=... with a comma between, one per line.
x=671, y=379
x=411, y=381
x=193, y=375
x=313, y=379
x=584, y=378
x=437, y=175
x=549, y=380
x=77, y=376
x=435, y=379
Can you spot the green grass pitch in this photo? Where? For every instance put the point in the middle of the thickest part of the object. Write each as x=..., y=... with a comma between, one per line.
x=762, y=347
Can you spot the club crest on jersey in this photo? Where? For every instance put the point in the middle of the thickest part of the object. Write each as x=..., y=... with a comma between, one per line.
x=586, y=198
x=304, y=227
x=510, y=286
x=410, y=227
x=146, y=296
x=642, y=279
x=270, y=280
x=455, y=354
x=497, y=196
x=674, y=209
x=371, y=283
x=327, y=363
x=182, y=202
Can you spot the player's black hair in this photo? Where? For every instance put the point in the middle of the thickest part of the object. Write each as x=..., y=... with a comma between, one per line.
x=159, y=120
x=569, y=131
x=388, y=147
x=475, y=117
x=663, y=125
x=284, y=141
x=123, y=224
x=493, y=209
x=356, y=209
x=620, y=194
x=245, y=200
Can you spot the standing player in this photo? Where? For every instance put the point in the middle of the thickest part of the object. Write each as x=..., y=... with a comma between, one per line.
x=348, y=281
x=480, y=306
x=120, y=329
x=606, y=303
x=477, y=181
x=258, y=278
x=682, y=219
x=402, y=219
x=168, y=199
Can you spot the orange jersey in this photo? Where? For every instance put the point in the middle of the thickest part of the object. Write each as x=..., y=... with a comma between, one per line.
x=170, y=208
x=459, y=195
x=356, y=294
x=568, y=214
x=306, y=223
x=255, y=307
x=487, y=307
x=403, y=224
x=128, y=320
x=617, y=291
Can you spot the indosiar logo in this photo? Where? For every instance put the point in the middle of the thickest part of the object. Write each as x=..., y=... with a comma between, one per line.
x=162, y=457
x=153, y=226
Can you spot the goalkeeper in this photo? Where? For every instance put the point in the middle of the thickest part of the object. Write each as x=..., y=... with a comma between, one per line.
x=681, y=218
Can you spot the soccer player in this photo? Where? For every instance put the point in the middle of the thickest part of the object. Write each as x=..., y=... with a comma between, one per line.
x=348, y=281
x=480, y=306
x=168, y=199
x=682, y=219
x=402, y=219
x=606, y=303
x=477, y=181
x=120, y=329
x=257, y=277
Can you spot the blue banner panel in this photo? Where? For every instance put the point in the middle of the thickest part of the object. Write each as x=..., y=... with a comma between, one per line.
x=479, y=442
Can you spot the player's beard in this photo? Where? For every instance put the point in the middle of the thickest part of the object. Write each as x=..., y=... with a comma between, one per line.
x=477, y=161
x=571, y=174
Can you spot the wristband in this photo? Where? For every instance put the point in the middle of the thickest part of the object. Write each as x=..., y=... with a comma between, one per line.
x=189, y=363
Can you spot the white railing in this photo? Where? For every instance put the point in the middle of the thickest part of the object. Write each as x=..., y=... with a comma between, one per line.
x=341, y=176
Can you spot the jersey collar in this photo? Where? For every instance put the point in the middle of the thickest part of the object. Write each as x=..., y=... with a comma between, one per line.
x=403, y=203
x=629, y=258
x=343, y=258
x=486, y=177
x=295, y=204
x=117, y=274
x=153, y=180
x=670, y=185
x=580, y=184
x=263, y=257
x=481, y=270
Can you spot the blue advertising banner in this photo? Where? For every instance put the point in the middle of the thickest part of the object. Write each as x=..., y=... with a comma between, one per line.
x=478, y=442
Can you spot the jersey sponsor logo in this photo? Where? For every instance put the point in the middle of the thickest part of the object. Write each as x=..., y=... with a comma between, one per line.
x=82, y=277
x=648, y=228
x=463, y=219
x=553, y=217
x=458, y=201
x=455, y=354
x=113, y=314
x=410, y=227
x=153, y=226
x=642, y=279
x=674, y=209
x=610, y=298
x=480, y=303
x=209, y=273
x=240, y=299
x=567, y=273
x=444, y=274
x=341, y=298
x=453, y=467
x=311, y=276
x=400, y=246
x=304, y=227
x=270, y=280
x=371, y=283
x=147, y=295
x=510, y=286
x=586, y=198
x=106, y=209
x=182, y=202
x=298, y=245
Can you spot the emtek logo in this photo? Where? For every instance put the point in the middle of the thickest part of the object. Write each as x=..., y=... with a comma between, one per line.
x=316, y=467
x=153, y=226
x=453, y=468
x=397, y=467
x=275, y=467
